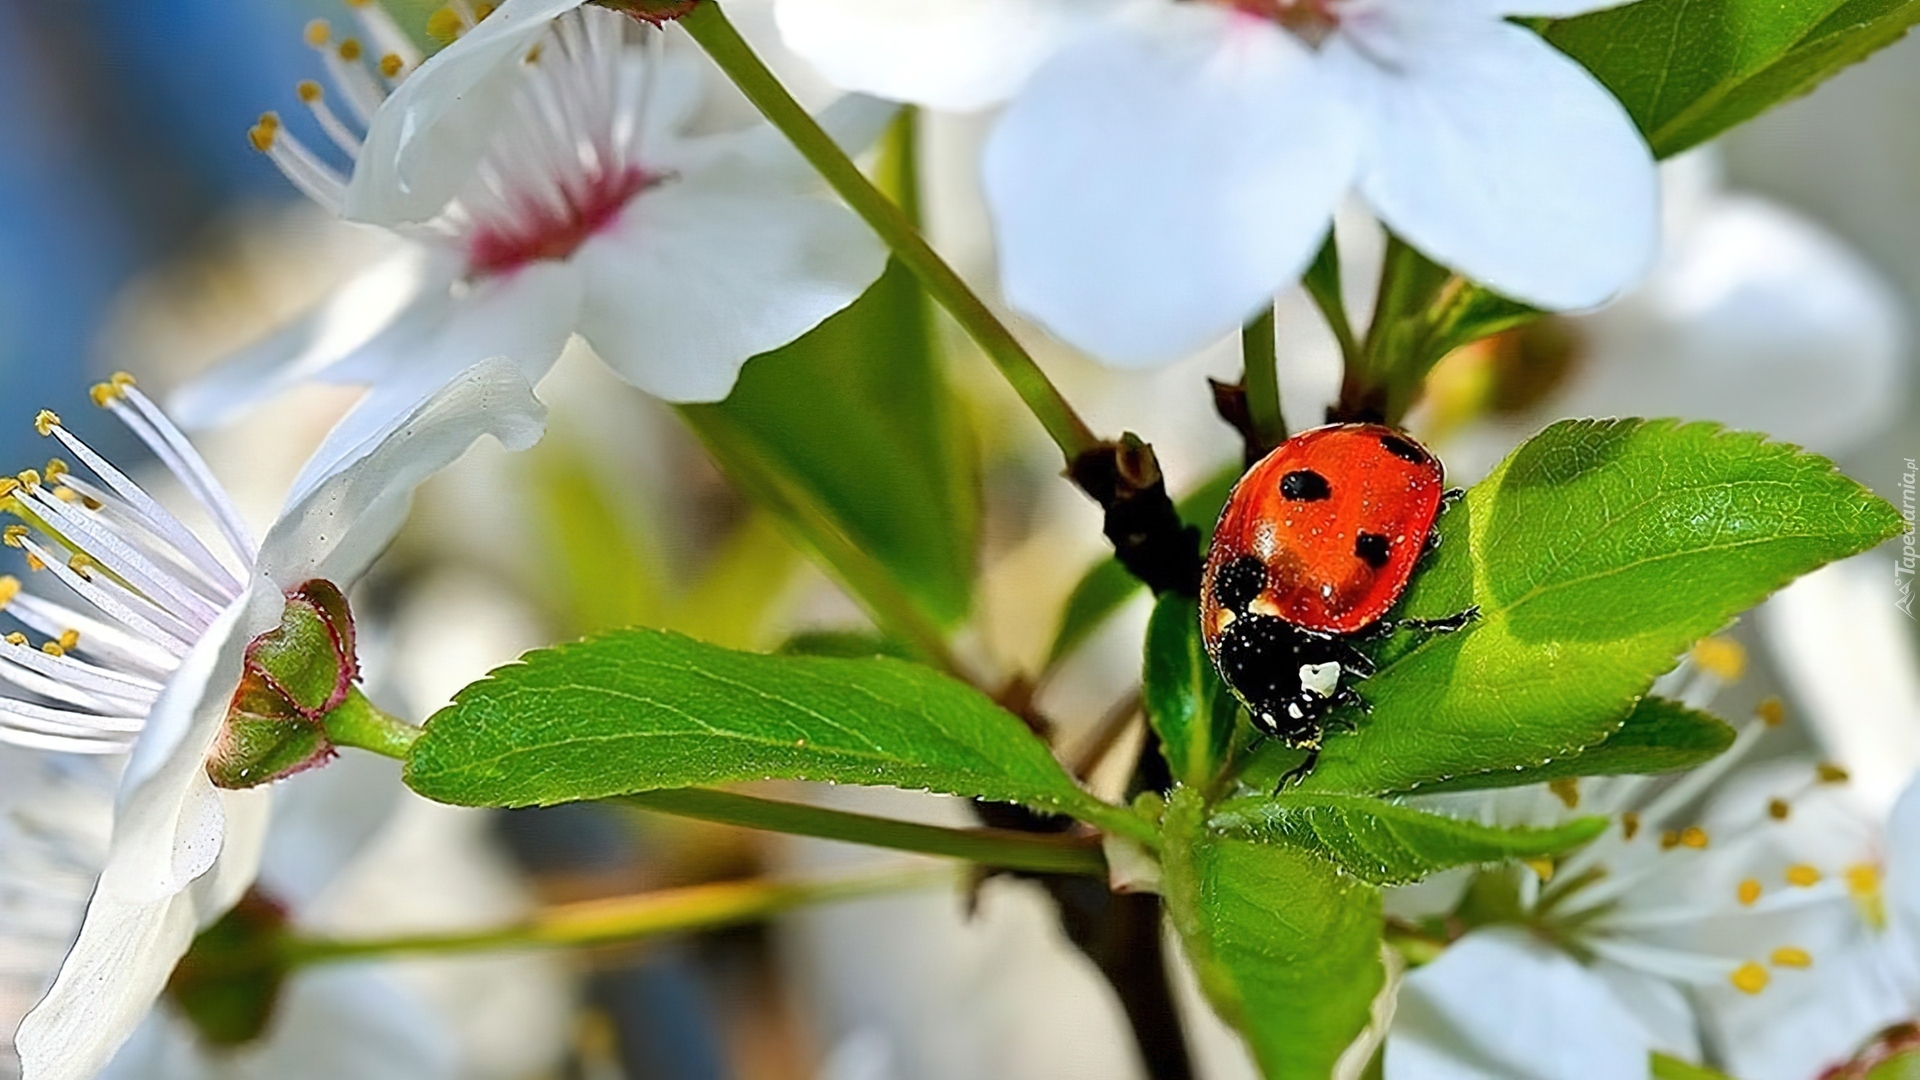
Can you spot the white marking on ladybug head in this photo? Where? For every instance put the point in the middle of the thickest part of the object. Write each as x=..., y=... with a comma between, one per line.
x=1294, y=711
x=1322, y=679
x=1264, y=605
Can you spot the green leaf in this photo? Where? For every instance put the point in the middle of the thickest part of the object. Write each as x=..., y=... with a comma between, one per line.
x=849, y=644
x=1672, y=1068
x=1385, y=843
x=1688, y=71
x=1658, y=736
x=641, y=710
x=1287, y=948
x=1904, y=1065
x=1597, y=553
x=1107, y=587
x=1186, y=703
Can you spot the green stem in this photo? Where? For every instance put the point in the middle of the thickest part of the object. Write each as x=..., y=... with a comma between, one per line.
x=1005, y=848
x=619, y=920
x=709, y=26
x=359, y=723
x=1323, y=285
x=1262, y=380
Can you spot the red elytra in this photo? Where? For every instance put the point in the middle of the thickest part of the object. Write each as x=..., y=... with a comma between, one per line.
x=1339, y=516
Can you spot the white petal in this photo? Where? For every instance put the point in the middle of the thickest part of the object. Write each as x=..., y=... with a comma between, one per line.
x=1902, y=882
x=336, y=531
x=1557, y=9
x=1158, y=182
x=697, y=279
x=948, y=54
x=1843, y=648
x=1498, y=1005
x=853, y=121
x=351, y=318
x=1498, y=156
x=526, y=317
x=110, y=980
x=169, y=821
x=1757, y=318
x=322, y=818
x=434, y=127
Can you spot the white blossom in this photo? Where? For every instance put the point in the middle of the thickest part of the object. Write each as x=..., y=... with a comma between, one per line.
x=1164, y=167
x=147, y=654
x=543, y=166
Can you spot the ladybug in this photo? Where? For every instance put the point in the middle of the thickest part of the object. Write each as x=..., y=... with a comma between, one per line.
x=1316, y=544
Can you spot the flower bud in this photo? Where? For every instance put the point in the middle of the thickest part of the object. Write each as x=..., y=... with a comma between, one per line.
x=651, y=11
x=295, y=674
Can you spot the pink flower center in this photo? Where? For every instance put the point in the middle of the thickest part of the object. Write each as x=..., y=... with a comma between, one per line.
x=1312, y=21
x=538, y=229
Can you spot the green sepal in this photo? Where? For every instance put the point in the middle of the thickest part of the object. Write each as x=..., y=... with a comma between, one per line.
x=293, y=676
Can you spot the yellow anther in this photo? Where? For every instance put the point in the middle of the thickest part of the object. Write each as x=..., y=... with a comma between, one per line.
x=90, y=502
x=1722, y=657
x=1749, y=892
x=56, y=469
x=14, y=535
x=391, y=64
x=1749, y=978
x=28, y=478
x=1829, y=773
x=34, y=564
x=482, y=10
x=260, y=136
x=1693, y=836
x=9, y=588
x=1772, y=712
x=69, y=638
x=1669, y=839
x=1779, y=809
x=1568, y=790
x=52, y=648
x=8, y=485
x=1803, y=876
x=1863, y=879
x=45, y=421
x=350, y=49
x=120, y=379
x=16, y=638
x=318, y=33
x=1629, y=825
x=82, y=564
x=1542, y=868
x=115, y=388
x=445, y=24
x=309, y=91
x=65, y=494
x=1791, y=956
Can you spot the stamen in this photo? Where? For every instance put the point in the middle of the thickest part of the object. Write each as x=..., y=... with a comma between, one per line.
x=1567, y=789
x=1694, y=837
x=1802, y=876
x=81, y=563
x=1749, y=892
x=44, y=421
x=15, y=535
x=1542, y=868
x=1863, y=885
x=1773, y=711
x=1830, y=773
x=28, y=478
x=1629, y=825
x=445, y=24
x=318, y=33
x=1791, y=956
x=1749, y=978
x=386, y=36
x=315, y=178
x=1723, y=657
x=1669, y=839
x=329, y=121
x=1779, y=809
x=172, y=448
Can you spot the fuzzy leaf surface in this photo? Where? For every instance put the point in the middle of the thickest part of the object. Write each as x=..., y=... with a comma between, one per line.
x=1286, y=946
x=1385, y=843
x=1687, y=71
x=640, y=710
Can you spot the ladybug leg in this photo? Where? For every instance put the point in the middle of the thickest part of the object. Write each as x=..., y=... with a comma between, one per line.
x=1348, y=696
x=1451, y=496
x=1298, y=772
x=1458, y=621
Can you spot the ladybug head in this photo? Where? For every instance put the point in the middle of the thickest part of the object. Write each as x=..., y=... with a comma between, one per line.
x=1288, y=677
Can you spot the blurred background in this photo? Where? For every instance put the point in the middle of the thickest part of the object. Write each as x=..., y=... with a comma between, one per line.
x=139, y=231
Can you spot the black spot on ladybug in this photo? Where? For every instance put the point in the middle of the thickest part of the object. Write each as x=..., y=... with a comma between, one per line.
x=1238, y=583
x=1404, y=449
x=1305, y=485
x=1372, y=549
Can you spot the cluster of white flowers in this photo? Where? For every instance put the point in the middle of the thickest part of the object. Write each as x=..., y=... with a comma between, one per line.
x=1161, y=169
